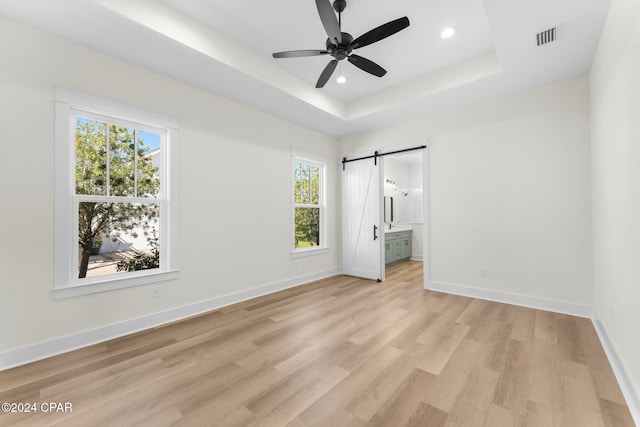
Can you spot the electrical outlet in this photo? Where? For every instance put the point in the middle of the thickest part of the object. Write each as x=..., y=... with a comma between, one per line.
x=155, y=292
x=484, y=272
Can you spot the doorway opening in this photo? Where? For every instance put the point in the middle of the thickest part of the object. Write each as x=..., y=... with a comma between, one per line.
x=385, y=212
x=403, y=199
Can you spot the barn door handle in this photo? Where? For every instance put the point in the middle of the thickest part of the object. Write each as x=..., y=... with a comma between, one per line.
x=375, y=230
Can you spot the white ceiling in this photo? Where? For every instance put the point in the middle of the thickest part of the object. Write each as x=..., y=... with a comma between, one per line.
x=225, y=47
x=266, y=26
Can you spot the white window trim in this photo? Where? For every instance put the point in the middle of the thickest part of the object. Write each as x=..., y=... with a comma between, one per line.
x=314, y=159
x=67, y=101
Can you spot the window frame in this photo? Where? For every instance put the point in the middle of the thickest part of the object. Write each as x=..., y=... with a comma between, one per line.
x=313, y=160
x=70, y=104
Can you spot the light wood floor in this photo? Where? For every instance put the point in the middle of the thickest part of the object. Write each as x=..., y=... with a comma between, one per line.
x=338, y=352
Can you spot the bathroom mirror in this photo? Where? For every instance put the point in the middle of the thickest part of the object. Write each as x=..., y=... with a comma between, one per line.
x=388, y=209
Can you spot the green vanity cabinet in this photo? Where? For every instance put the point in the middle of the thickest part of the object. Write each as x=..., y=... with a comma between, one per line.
x=397, y=246
x=388, y=255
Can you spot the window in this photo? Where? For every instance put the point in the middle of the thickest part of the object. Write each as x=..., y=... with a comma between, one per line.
x=116, y=216
x=308, y=206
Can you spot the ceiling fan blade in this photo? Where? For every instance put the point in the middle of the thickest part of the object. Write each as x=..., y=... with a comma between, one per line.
x=366, y=65
x=381, y=32
x=326, y=74
x=299, y=53
x=329, y=20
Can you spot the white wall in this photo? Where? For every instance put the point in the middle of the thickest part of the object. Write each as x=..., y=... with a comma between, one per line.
x=234, y=180
x=409, y=183
x=615, y=116
x=509, y=185
x=407, y=177
x=389, y=189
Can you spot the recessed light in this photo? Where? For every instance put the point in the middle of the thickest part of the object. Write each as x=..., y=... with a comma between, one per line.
x=448, y=32
x=341, y=79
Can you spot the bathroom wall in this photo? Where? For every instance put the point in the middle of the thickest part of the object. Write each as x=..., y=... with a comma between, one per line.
x=403, y=181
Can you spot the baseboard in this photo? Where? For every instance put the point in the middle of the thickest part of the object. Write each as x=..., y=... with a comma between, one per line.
x=416, y=258
x=630, y=390
x=32, y=353
x=555, y=306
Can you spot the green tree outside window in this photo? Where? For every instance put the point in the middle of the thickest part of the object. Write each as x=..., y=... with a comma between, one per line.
x=307, y=204
x=112, y=161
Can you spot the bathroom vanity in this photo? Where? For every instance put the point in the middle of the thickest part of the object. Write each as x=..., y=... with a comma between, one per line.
x=397, y=247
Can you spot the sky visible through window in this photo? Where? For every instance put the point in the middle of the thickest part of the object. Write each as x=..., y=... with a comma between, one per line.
x=152, y=140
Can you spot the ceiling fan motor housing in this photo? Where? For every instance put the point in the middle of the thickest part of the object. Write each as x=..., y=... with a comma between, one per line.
x=342, y=50
x=339, y=5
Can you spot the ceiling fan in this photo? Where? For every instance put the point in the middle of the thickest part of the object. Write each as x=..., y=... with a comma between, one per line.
x=340, y=45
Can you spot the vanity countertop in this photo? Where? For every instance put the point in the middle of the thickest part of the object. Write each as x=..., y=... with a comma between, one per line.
x=396, y=228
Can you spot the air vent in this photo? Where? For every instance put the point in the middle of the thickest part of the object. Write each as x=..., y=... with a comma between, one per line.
x=546, y=36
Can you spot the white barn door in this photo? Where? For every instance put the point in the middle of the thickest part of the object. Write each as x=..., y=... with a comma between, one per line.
x=362, y=226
